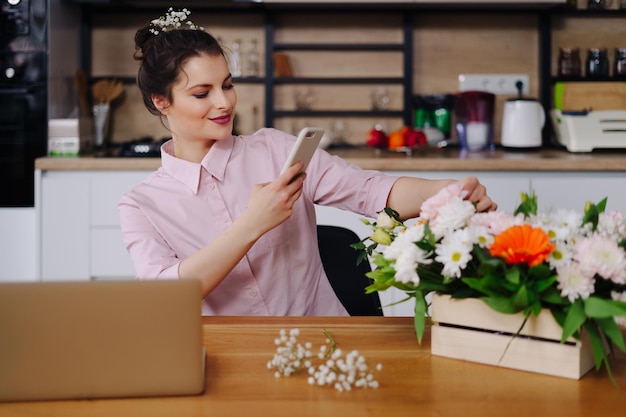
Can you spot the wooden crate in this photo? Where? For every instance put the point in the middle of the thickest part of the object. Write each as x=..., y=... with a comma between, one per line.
x=470, y=330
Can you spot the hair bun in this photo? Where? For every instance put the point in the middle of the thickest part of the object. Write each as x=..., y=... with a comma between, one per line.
x=143, y=40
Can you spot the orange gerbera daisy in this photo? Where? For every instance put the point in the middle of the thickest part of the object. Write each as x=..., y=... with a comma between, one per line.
x=522, y=244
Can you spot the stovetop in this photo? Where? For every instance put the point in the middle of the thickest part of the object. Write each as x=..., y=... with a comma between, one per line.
x=145, y=147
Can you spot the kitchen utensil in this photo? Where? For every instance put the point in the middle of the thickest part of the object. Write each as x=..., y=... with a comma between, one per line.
x=105, y=91
x=101, y=118
x=522, y=122
x=474, y=120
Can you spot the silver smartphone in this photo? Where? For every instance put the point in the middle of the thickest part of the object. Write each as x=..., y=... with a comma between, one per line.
x=306, y=144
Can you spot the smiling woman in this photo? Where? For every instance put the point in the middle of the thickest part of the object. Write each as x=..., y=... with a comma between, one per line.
x=220, y=209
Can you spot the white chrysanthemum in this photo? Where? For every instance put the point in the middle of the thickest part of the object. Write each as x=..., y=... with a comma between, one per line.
x=407, y=237
x=406, y=264
x=454, y=253
x=559, y=224
x=562, y=254
x=612, y=225
x=480, y=235
x=602, y=256
x=619, y=296
x=452, y=216
x=574, y=282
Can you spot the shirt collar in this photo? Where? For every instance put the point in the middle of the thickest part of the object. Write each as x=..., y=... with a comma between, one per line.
x=189, y=173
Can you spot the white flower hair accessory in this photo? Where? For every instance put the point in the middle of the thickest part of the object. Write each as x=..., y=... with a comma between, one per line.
x=173, y=20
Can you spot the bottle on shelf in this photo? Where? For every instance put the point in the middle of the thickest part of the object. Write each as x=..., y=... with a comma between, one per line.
x=597, y=4
x=619, y=67
x=597, y=63
x=252, y=59
x=235, y=58
x=569, y=62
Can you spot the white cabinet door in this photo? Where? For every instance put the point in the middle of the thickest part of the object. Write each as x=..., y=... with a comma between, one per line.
x=107, y=188
x=64, y=226
x=571, y=190
x=80, y=233
x=109, y=258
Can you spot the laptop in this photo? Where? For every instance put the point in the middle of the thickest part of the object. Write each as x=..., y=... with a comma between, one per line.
x=100, y=339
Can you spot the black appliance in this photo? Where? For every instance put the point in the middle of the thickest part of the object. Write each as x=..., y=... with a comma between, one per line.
x=23, y=97
x=143, y=147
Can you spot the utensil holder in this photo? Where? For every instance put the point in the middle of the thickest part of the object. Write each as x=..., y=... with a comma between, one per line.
x=101, y=119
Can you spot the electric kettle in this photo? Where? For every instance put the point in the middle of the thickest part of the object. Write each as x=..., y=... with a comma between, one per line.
x=522, y=122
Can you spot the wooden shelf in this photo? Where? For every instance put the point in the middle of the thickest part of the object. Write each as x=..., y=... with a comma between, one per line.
x=338, y=113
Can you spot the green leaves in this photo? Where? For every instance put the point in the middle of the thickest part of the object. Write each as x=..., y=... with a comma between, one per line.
x=599, y=308
x=420, y=315
x=592, y=213
x=574, y=319
x=528, y=206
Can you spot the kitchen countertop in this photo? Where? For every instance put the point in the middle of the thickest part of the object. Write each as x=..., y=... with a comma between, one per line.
x=420, y=160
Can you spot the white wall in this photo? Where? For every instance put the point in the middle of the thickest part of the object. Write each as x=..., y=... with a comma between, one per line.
x=18, y=254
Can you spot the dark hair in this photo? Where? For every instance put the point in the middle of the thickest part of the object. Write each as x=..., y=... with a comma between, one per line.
x=162, y=57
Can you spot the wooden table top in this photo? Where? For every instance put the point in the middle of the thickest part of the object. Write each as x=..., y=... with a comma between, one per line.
x=412, y=382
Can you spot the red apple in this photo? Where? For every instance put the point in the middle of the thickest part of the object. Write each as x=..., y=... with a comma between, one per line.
x=414, y=138
x=376, y=138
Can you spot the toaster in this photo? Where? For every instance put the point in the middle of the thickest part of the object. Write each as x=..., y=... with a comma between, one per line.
x=584, y=131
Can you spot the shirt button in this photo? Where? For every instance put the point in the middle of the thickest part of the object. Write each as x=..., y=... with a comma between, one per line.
x=211, y=186
x=253, y=293
x=224, y=220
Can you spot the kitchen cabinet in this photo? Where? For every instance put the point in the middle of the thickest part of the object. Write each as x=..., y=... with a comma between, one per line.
x=79, y=234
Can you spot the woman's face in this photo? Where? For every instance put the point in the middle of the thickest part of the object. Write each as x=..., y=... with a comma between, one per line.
x=203, y=100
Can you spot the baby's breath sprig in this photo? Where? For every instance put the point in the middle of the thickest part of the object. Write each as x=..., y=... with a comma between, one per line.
x=290, y=355
x=343, y=373
x=337, y=371
x=173, y=20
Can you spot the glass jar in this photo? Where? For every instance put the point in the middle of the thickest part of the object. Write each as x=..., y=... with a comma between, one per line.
x=619, y=68
x=597, y=4
x=569, y=62
x=235, y=58
x=597, y=63
x=252, y=59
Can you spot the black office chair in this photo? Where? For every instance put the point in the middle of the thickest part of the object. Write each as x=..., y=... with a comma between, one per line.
x=346, y=277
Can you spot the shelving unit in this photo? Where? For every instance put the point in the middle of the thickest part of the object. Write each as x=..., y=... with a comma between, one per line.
x=547, y=14
x=272, y=47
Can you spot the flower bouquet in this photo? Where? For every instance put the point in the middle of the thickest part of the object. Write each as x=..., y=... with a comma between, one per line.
x=572, y=264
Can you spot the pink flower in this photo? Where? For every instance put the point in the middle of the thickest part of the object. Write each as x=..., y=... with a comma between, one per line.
x=602, y=256
x=430, y=208
x=495, y=222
